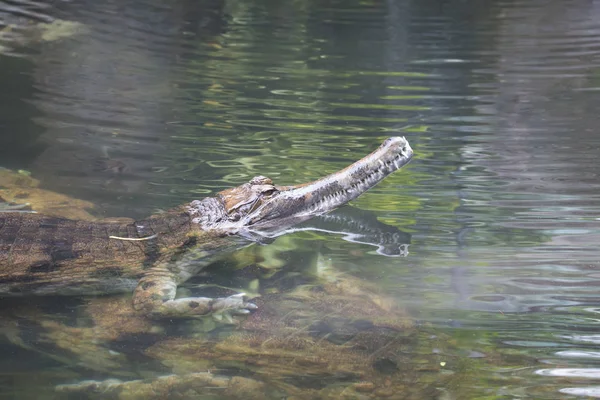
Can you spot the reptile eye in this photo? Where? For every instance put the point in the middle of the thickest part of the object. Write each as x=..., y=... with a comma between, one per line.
x=269, y=192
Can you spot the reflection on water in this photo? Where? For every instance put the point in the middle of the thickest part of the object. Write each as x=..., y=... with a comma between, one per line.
x=143, y=105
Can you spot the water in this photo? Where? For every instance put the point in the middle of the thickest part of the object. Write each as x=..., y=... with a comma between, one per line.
x=141, y=105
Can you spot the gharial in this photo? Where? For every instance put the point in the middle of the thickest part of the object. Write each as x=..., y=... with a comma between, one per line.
x=44, y=255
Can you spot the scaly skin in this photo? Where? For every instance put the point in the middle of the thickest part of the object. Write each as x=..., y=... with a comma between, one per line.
x=43, y=255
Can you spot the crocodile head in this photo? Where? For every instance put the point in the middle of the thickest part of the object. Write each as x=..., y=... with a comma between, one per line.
x=260, y=205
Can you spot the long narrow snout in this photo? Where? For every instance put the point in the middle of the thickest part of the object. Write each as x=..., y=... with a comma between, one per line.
x=337, y=189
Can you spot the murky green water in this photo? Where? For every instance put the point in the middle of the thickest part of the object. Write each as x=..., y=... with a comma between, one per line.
x=138, y=106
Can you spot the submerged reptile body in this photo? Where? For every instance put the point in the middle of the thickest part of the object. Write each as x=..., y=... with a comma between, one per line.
x=150, y=257
x=43, y=255
x=48, y=255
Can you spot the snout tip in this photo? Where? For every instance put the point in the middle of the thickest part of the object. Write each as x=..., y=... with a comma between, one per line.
x=398, y=144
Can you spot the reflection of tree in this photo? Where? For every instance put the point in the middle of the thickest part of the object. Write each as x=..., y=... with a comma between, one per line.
x=105, y=93
x=526, y=170
x=539, y=113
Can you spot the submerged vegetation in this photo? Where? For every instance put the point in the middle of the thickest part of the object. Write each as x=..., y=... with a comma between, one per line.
x=488, y=288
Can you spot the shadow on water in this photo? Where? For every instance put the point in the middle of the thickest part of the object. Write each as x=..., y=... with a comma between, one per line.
x=137, y=106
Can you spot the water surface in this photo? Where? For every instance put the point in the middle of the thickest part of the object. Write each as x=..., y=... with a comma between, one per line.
x=138, y=106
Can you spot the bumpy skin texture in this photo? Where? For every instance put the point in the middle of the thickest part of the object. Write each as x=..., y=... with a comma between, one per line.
x=43, y=255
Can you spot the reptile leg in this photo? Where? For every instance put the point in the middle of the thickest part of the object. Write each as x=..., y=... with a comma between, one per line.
x=155, y=297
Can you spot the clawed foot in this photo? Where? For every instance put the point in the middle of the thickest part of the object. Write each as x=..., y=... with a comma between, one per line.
x=225, y=308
